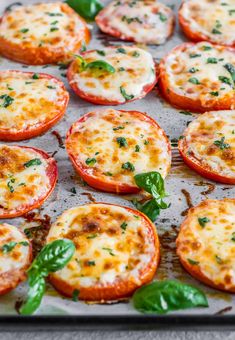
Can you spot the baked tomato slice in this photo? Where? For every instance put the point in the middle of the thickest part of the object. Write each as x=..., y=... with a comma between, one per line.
x=199, y=77
x=30, y=104
x=43, y=33
x=27, y=177
x=15, y=257
x=147, y=22
x=109, y=147
x=219, y=29
x=117, y=251
x=205, y=244
x=208, y=146
x=114, y=75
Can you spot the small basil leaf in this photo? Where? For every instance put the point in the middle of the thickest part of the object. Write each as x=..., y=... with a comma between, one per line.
x=54, y=256
x=147, y=180
x=150, y=209
x=169, y=295
x=100, y=65
x=34, y=297
x=88, y=9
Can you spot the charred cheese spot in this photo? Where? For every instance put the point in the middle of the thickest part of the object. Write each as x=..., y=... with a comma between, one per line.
x=34, y=101
x=198, y=72
x=138, y=72
x=214, y=254
x=211, y=139
x=110, y=138
x=14, y=249
x=21, y=185
x=221, y=24
x=102, y=257
x=142, y=21
x=42, y=25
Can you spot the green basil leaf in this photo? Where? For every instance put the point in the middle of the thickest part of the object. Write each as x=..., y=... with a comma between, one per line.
x=35, y=161
x=53, y=256
x=164, y=296
x=100, y=65
x=34, y=297
x=150, y=209
x=88, y=9
x=148, y=180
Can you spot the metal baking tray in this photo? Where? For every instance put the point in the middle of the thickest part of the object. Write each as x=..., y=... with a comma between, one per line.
x=60, y=313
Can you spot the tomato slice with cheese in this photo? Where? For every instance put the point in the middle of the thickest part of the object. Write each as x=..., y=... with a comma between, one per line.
x=206, y=243
x=15, y=257
x=30, y=104
x=199, y=77
x=213, y=21
x=108, y=147
x=43, y=33
x=148, y=22
x=27, y=177
x=133, y=75
x=117, y=251
x=208, y=146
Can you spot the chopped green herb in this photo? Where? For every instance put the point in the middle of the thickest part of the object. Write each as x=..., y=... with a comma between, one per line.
x=109, y=250
x=135, y=54
x=123, y=225
x=225, y=80
x=231, y=69
x=24, y=30
x=233, y=237
x=137, y=148
x=54, y=22
x=51, y=87
x=9, y=88
x=193, y=70
x=75, y=295
x=218, y=259
x=186, y=113
x=73, y=190
x=130, y=20
x=6, y=248
x=91, y=263
x=125, y=95
x=121, y=69
x=211, y=61
x=35, y=76
x=192, y=262
x=162, y=17
x=121, y=50
x=221, y=144
x=194, y=80
x=7, y=100
x=231, y=12
x=214, y=93
x=206, y=48
x=194, y=55
x=100, y=52
x=28, y=82
x=146, y=142
x=215, y=31
x=53, y=29
x=90, y=161
x=108, y=173
x=35, y=161
x=122, y=141
x=203, y=221
x=128, y=166
x=54, y=14
x=118, y=128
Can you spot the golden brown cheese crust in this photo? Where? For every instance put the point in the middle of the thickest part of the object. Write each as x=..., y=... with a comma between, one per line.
x=42, y=33
x=117, y=250
x=206, y=243
x=15, y=257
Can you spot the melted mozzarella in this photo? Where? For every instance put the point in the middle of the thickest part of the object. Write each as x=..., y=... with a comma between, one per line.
x=198, y=72
x=211, y=246
x=105, y=251
x=35, y=101
x=142, y=21
x=97, y=137
x=16, y=257
x=134, y=69
x=204, y=131
x=42, y=25
x=214, y=19
x=21, y=185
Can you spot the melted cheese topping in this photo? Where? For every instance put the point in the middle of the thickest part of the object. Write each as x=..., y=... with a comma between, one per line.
x=13, y=257
x=42, y=25
x=211, y=246
x=142, y=21
x=21, y=185
x=211, y=139
x=113, y=138
x=198, y=72
x=214, y=19
x=33, y=101
x=111, y=243
x=134, y=69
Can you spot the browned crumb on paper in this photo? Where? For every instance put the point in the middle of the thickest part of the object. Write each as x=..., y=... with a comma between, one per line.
x=211, y=187
x=89, y=196
x=59, y=138
x=188, y=201
x=224, y=310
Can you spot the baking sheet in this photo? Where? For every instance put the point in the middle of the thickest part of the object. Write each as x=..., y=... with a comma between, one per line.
x=180, y=178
